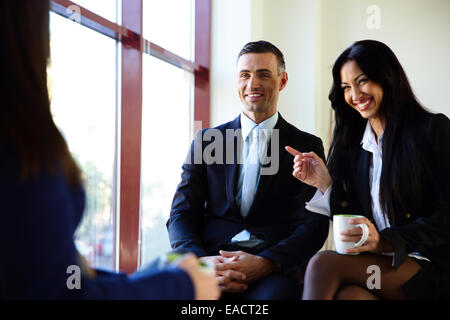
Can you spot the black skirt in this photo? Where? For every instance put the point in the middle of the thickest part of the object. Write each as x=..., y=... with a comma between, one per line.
x=428, y=283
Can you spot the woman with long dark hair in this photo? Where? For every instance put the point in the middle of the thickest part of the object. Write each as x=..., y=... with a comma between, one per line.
x=41, y=190
x=390, y=162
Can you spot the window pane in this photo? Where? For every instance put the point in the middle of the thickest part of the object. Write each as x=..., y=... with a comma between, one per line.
x=104, y=8
x=166, y=119
x=168, y=23
x=82, y=83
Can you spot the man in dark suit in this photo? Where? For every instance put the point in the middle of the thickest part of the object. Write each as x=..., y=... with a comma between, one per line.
x=238, y=206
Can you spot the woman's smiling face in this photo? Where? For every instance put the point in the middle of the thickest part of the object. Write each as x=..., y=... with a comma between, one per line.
x=361, y=93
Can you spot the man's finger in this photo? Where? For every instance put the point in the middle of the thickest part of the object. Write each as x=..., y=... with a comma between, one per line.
x=225, y=266
x=222, y=281
x=229, y=254
x=212, y=259
x=233, y=287
x=232, y=259
x=232, y=274
x=292, y=151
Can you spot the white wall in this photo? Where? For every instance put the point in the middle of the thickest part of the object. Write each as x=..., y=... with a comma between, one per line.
x=285, y=23
x=231, y=29
x=312, y=34
x=418, y=31
x=289, y=25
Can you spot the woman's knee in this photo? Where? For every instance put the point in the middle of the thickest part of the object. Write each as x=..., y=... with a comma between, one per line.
x=321, y=263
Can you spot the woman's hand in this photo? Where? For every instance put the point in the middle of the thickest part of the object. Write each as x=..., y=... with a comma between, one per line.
x=309, y=168
x=374, y=242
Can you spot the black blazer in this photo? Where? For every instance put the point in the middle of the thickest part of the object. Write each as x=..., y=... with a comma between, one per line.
x=424, y=227
x=204, y=214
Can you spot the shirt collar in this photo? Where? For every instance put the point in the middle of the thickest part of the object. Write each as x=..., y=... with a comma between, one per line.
x=369, y=142
x=248, y=124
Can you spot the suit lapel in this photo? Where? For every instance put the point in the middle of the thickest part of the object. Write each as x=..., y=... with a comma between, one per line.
x=232, y=169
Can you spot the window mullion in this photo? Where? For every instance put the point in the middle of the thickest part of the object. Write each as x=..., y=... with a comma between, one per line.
x=131, y=126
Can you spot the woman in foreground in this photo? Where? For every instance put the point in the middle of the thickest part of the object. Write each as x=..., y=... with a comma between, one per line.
x=41, y=191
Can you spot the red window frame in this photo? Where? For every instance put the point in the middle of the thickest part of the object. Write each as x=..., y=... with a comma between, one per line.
x=133, y=45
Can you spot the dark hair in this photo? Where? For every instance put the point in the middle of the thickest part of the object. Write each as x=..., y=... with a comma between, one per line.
x=25, y=119
x=404, y=172
x=264, y=47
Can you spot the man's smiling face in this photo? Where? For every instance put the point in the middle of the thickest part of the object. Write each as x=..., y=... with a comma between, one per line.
x=259, y=83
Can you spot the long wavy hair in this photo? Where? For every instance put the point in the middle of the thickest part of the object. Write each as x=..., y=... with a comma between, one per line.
x=405, y=170
x=25, y=119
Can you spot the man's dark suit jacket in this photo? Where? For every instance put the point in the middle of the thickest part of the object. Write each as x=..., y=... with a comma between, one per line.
x=204, y=214
x=423, y=226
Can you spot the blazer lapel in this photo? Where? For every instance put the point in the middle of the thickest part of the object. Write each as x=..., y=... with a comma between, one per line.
x=362, y=181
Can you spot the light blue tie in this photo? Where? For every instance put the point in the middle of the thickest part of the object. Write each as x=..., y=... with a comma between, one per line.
x=251, y=172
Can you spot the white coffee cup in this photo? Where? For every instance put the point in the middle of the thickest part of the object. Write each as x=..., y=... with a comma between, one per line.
x=340, y=224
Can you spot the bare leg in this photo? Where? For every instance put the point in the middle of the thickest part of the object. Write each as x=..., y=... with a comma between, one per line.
x=328, y=272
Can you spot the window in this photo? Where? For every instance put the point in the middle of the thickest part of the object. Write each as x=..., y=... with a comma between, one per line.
x=169, y=24
x=105, y=8
x=82, y=88
x=167, y=97
x=123, y=107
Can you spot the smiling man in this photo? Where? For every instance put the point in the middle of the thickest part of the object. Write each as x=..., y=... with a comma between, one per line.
x=250, y=223
x=261, y=77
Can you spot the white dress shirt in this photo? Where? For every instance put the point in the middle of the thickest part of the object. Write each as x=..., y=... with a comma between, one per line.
x=320, y=203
